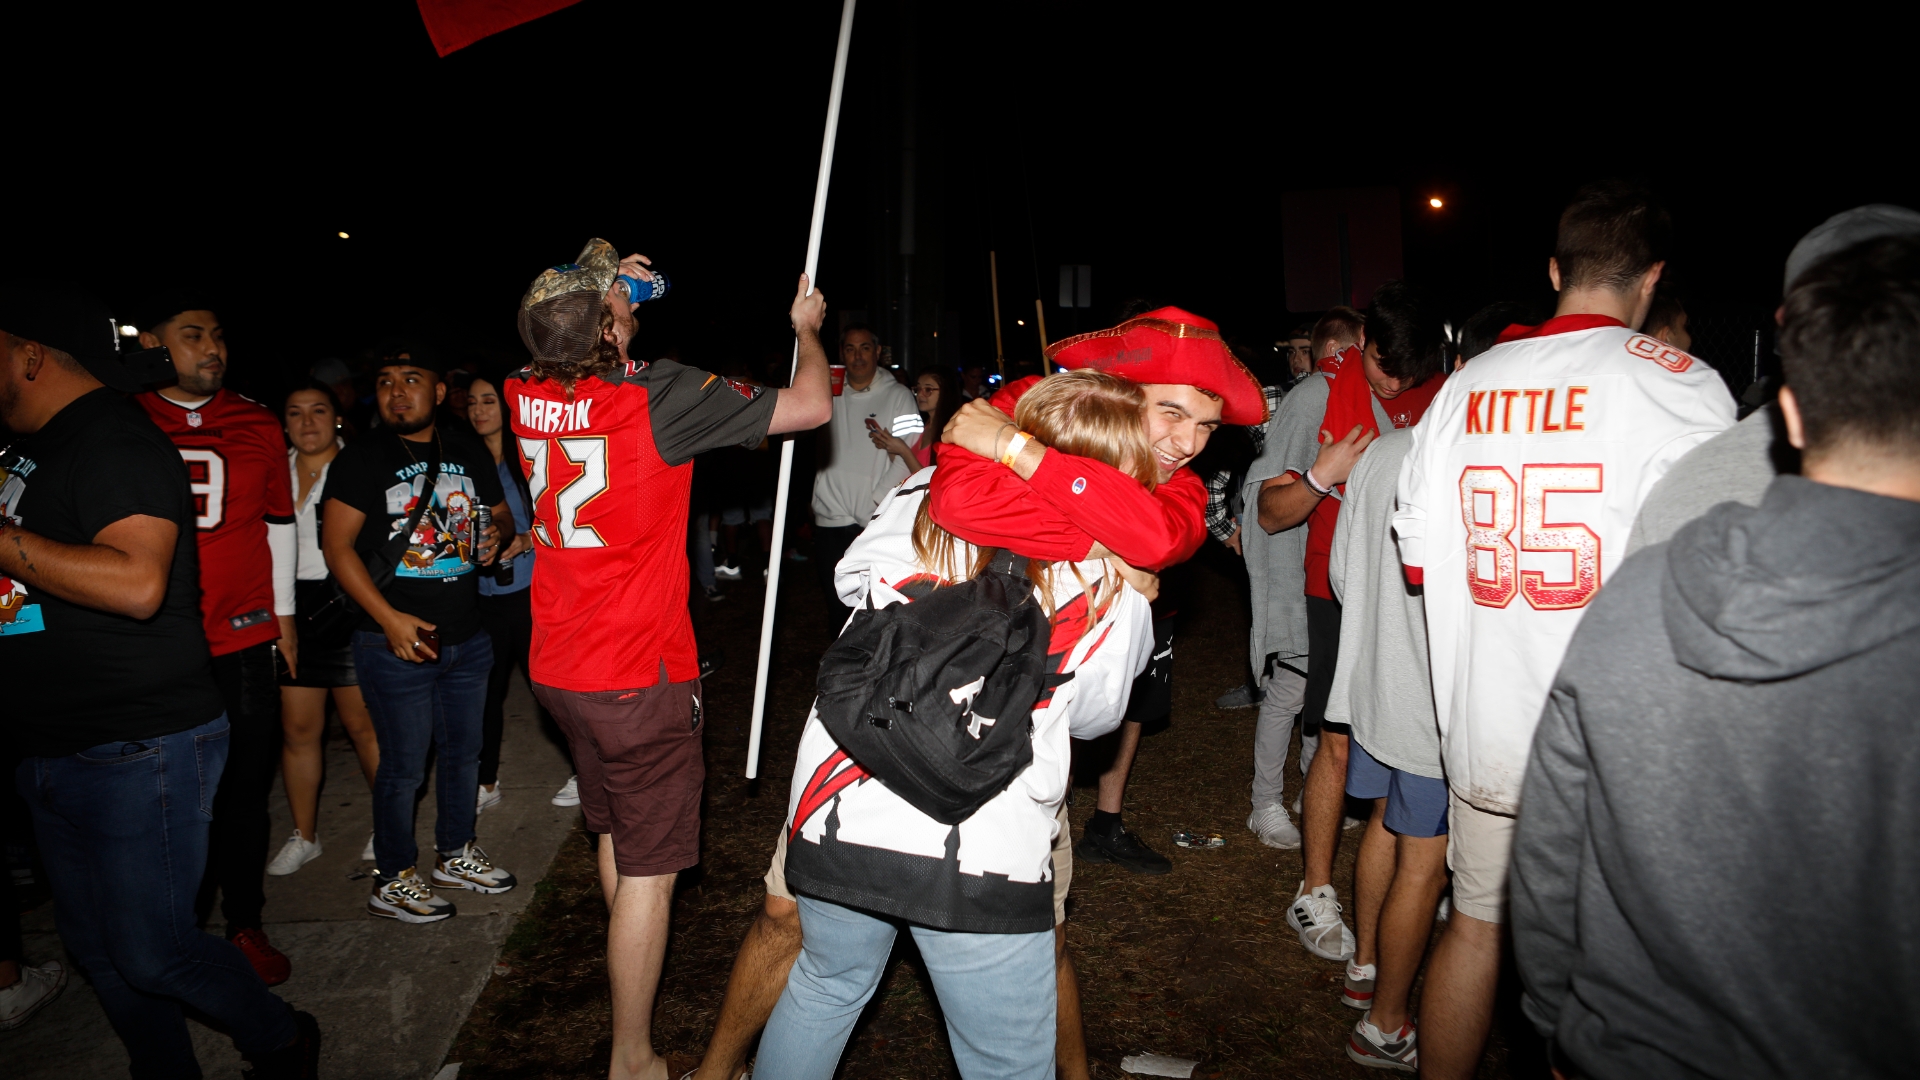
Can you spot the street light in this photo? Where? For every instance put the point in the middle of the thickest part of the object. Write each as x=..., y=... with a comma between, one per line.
x=1433, y=202
x=343, y=236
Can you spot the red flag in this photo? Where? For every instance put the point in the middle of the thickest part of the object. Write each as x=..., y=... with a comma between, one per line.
x=456, y=24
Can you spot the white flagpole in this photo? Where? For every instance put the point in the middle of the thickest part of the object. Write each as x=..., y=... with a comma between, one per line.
x=774, y=560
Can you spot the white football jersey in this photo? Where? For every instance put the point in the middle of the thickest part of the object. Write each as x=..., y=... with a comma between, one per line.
x=1515, y=505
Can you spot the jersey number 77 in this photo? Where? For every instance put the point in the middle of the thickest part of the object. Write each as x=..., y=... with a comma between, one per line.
x=1490, y=502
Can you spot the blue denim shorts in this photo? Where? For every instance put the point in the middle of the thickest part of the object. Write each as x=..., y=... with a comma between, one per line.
x=1416, y=805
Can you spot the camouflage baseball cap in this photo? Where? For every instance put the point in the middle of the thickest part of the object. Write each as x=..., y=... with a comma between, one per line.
x=560, y=314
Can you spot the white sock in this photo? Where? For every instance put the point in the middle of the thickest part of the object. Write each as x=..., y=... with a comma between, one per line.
x=1360, y=973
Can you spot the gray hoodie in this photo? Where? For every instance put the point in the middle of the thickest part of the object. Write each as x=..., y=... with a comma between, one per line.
x=1716, y=870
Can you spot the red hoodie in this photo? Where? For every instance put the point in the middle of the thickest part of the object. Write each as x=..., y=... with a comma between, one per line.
x=1069, y=501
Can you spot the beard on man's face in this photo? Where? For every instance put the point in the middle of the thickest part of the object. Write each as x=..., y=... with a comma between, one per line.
x=202, y=381
x=409, y=425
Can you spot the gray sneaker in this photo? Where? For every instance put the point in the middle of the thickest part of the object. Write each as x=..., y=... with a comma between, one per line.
x=1376, y=1049
x=1240, y=697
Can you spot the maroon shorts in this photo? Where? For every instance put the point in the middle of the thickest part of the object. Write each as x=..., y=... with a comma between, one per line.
x=638, y=756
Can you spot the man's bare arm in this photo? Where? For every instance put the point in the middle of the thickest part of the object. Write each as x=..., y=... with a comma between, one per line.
x=124, y=571
x=1286, y=502
x=808, y=403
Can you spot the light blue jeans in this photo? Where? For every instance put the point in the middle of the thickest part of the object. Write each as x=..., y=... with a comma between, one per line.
x=997, y=991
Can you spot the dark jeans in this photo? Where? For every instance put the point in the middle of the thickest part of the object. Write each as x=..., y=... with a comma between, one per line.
x=416, y=708
x=237, y=852
x=508, y=620
x=123, y=829
x=828, y=546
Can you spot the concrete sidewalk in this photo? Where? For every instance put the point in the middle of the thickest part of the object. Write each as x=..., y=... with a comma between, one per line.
x=389, y=997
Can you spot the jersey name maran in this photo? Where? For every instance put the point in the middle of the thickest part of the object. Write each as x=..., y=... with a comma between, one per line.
x=1515, y=504
x=555, y=417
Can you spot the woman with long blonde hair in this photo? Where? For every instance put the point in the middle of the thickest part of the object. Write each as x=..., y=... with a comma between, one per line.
x=980, y=897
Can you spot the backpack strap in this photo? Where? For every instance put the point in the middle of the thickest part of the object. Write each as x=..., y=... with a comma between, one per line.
x=1007, y=562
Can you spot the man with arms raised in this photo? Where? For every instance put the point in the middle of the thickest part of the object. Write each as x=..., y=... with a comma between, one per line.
x=1515, y=503
x=607, y=443
x=109, y=690
x=243, y=501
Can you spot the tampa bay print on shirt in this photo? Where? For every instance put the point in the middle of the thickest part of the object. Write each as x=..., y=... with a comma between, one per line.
x=17, y=616
x=442, y=544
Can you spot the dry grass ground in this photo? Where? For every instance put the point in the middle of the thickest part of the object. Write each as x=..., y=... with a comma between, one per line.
x=1199, y=963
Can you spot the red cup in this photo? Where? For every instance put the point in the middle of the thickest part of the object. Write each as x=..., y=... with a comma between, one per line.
x=837, y=374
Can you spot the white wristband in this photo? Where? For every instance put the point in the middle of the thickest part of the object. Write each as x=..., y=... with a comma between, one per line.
x=1318, y=488
x=1014, y=446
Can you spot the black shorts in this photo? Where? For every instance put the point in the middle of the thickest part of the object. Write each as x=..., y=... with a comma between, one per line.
x=1152, y=696
x=321, y=668
x=1323, y=655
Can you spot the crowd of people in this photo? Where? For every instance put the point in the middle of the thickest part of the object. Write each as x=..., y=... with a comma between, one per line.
x=1612, y=681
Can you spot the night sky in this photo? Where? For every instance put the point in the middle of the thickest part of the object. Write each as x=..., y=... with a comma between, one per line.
x=1152, y=143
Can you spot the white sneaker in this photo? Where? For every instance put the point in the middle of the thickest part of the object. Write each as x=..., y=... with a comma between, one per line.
x=294, y=854
x=37, y=988
x=488, y=799
x=469, y=868
x=726, y=572
x=568, y=795
x=1274, y=828
x=367, y=855
x=408, y=899
x=1316, y=915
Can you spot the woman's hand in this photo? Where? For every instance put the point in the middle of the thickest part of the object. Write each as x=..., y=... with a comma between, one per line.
x=892, y=444
x=522, y=543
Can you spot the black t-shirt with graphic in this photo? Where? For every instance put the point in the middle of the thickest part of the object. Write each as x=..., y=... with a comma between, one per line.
x=76, y=677
x=381, y=475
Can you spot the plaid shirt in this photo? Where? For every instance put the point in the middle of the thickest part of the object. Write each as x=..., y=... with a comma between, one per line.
x=1220, y=521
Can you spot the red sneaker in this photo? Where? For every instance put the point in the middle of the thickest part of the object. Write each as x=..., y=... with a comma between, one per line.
x=271, y=964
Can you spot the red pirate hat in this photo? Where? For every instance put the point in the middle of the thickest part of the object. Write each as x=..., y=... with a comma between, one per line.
x=1168, y=345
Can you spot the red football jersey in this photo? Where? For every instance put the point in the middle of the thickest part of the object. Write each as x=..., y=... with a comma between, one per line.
x=610, y=469
x=237, y=462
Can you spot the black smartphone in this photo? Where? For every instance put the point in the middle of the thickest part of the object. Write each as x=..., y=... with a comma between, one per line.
x=428, y=647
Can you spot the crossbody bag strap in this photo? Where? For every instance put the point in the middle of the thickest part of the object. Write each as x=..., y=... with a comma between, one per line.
x=396, y=548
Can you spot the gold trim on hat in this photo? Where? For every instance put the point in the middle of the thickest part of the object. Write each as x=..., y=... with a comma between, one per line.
x=1174, y=330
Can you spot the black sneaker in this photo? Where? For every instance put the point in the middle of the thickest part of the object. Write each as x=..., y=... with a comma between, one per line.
x=298, y=1060
x=1124, y=848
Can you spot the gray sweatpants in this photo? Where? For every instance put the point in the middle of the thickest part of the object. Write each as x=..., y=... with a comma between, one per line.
x=1273, y=731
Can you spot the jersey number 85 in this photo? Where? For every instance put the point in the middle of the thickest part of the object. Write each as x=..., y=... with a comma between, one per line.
x=1489, y=503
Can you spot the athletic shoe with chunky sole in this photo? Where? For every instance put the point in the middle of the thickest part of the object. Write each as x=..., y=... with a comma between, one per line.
x=485, y=800
x=1368, y=1045
x=469, y=868
x=408, y=899
x=1124, y=848
x=1359, y=990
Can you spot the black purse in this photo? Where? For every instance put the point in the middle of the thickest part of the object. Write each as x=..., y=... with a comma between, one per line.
x=330, y=625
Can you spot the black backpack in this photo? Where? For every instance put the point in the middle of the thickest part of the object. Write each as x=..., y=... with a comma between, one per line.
x=935, y=698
